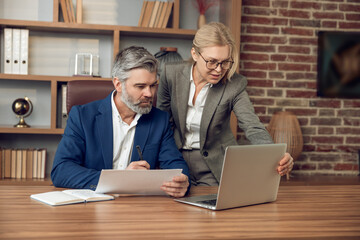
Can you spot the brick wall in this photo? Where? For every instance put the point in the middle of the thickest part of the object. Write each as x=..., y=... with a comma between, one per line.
x=279, y=58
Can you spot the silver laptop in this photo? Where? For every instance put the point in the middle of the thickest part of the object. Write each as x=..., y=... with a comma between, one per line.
x=248, y=177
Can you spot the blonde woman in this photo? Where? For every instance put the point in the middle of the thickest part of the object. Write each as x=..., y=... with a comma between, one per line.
x=200, y=95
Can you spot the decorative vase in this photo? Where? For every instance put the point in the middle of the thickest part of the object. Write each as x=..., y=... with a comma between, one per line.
x=201, y=20
x=284, y=127
x=166, y=55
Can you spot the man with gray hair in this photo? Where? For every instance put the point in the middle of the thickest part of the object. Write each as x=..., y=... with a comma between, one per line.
x=105, y=134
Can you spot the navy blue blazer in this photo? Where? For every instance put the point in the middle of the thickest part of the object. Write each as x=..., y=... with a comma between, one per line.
x=87, y=145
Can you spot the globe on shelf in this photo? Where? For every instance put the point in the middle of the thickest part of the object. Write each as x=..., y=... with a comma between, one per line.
x=22, y=107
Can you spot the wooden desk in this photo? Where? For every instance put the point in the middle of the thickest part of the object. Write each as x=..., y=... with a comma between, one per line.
x=301, y=212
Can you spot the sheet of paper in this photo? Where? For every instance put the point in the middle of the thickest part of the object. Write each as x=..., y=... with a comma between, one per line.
x=144, y=182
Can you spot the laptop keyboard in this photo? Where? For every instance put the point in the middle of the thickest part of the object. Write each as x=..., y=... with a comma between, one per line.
x=211, y=202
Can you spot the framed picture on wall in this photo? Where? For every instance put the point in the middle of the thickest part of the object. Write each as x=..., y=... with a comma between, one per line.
x=339, y=64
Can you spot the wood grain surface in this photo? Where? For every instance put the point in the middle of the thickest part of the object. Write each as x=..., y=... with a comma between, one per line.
x=300, y=212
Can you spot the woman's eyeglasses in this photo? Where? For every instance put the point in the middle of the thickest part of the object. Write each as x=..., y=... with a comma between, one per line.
x=212, y=64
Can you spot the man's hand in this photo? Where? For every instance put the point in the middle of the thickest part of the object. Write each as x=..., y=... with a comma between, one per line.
x=285, y=165
x=142, y=164
x=177, y=187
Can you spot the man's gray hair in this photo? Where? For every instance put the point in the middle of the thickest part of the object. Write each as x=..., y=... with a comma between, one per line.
x=132, y=58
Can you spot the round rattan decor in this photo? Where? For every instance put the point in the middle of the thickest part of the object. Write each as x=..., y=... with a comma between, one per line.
x=284, y=127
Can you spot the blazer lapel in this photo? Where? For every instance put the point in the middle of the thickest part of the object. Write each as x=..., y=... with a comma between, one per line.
x=103, y=120
x=182, y=92
x=212, y=101
x=141, y=135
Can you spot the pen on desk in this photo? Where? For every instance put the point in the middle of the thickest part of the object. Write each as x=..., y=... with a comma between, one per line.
x=139, y=152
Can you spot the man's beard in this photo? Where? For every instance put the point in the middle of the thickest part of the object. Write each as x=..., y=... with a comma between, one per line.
x=134, y=106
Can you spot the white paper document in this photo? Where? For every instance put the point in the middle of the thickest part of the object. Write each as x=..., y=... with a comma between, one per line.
x=143, y=182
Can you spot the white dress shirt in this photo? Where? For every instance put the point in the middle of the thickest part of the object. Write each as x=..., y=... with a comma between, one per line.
x=123, y=136
x=194, y=113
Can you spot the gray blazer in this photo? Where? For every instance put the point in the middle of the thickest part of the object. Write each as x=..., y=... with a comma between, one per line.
x=215, y=132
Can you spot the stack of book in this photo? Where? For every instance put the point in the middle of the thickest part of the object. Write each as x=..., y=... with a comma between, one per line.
x=16, y=50
x=155, y=14
x=22, y=163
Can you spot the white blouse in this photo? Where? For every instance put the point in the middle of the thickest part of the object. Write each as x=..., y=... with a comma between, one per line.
x=194, y=113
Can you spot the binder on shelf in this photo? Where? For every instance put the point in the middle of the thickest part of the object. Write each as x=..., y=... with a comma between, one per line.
x=16, y=51
x=24, y=51
x=7, y=50
x=64, y=115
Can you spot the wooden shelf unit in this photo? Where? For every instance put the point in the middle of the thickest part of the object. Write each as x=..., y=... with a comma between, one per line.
x=230, y=15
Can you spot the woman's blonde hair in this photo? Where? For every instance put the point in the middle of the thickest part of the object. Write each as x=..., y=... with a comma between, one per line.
x=217, y=34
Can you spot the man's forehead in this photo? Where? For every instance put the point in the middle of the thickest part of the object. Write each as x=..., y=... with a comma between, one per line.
x=142, y=82
x=142, y=75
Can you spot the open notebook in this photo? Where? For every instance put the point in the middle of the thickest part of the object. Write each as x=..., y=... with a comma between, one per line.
x=57, y=198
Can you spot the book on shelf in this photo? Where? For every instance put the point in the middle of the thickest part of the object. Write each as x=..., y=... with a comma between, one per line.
x=71, y=196
x=142, y=13
x=154, y=14
x=148, y=12
x=38, y=173
x=78, y=11
x=35, y=164
x=23, y=163
x=29, y=163
x=64, y=11
x=43, y=162
x=160, y=13
x=7, y=163
x=18, y=163
x=71, y=12
x=13, y=163
x=1, y=163
x=167, y=14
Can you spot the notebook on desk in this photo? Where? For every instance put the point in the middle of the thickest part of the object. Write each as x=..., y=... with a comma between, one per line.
x=248, y=177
